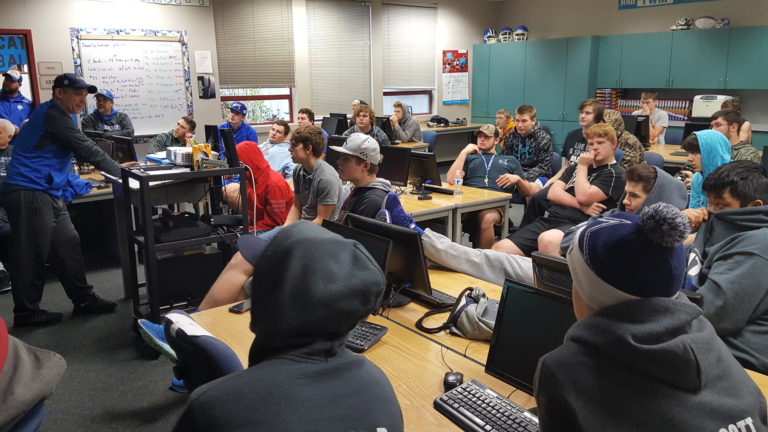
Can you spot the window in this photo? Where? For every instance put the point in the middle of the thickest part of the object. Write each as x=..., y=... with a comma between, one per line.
x=17, y=53
x=254, y=41
x=339, y=54
x=420, y=101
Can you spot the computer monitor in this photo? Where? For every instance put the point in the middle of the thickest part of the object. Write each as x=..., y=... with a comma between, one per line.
x=639, y=126
x=423, y=166
x=331, y=125
x=93, y=134
x=343, y=124
x=212, y=135
x=377, y=246
x=386, y=126
x=551, y=273
x=230, y=149
x=105, y=145
x=530, y=323
x=332, y=156
x=691, y=127
x=123, y=149
x=407, y=269
x=395, y=164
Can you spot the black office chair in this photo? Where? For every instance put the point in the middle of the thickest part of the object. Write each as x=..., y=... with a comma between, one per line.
x=551, y=273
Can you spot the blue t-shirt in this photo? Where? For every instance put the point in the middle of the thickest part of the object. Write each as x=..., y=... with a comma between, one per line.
x=478, y=166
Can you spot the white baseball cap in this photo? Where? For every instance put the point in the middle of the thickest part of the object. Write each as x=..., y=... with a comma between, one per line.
x=362, y=146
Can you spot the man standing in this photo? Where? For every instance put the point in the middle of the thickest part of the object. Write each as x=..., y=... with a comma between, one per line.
x=480, y=167
x=358, y=164
x=316, y=184
x=13, y=105
x=106, y=119
x=240, y=129
x=729, y=123
x=529, y=144
x=32, y=194
x=176, y=137
x=406, y=127
x=659, y=119
x=505, y=123
x=364, y=117
x=276, y=149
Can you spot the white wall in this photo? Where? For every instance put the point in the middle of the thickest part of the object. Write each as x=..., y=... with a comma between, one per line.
x=547, y=19
x=50, y=22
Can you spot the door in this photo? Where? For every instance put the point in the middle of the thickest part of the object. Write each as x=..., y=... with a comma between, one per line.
x=579, y=75
x=507, y=75
x=645, y=60
x=545, y=64
x=747, y=59
x=480, y=80
x=609, y=61
x=699, y=59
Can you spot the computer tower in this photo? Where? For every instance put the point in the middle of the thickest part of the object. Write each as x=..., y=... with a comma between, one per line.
x=185, y=278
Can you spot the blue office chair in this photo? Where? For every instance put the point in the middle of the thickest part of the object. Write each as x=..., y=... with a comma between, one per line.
x=429, y=137
x=673, y=136
x=557, y=162
x=619, y=155
x=201, y=357
x=654, y=159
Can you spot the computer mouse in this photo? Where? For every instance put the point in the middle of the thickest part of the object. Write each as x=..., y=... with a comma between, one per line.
x=452, y=380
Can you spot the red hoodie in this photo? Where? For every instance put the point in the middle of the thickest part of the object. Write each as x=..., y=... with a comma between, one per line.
x=274, y=197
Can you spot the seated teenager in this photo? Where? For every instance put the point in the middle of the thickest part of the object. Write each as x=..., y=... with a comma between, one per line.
x=641, y=356
x=358, y=164
x=480, y=167
x=364, y=118
x=405, y=127
x=628, y=143
x=728, y=261
x=300, y=374
x=241, y=130
x=273, y=195
x=529, y=144
x=595, y=179
x=729, y=123
x=316, y=184
x=176, y=137
x=276, y=149
x=707, y=150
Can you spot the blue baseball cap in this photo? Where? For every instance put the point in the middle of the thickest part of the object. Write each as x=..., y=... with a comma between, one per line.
x=70, y=80
x=14, y=75
x=107, y=94
x=238, y=107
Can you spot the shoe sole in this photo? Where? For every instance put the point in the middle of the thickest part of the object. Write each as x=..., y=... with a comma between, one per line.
x=37, y=324
x=162, y=347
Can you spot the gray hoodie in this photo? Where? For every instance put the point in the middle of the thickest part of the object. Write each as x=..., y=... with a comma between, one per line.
x=666, y=189
x=653, y=364
x=728, y=264
x=408, y=129
x=366, y=200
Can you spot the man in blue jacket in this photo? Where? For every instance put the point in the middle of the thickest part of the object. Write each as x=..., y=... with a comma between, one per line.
x=32, y=194
x=13, y=105
x=240, y=129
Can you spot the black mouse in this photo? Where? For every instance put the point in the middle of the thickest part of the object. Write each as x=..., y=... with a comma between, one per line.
x=452, y=380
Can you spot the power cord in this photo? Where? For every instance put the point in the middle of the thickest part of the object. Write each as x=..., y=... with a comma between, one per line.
x=442, y=357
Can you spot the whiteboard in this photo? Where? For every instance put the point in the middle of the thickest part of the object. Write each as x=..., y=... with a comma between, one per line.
x=147, y=77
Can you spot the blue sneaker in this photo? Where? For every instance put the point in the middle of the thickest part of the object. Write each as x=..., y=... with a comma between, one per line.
x=154, y=335
x=394, y=213
x=178, y=386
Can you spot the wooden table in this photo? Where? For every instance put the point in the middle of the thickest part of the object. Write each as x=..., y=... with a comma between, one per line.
x=414, y=146
x=665, y=150
x=94, y=194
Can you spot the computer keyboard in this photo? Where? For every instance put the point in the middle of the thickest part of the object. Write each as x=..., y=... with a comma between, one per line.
x=437, y=298
x=365, y=335
x=438, y=189
x=474, y=407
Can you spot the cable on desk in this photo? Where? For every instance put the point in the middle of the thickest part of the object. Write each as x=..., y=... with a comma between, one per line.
x=442, y=356
x=467, y=347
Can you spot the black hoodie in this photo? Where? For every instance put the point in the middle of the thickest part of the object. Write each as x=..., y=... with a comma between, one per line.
x=652, y=364
x=301, y=377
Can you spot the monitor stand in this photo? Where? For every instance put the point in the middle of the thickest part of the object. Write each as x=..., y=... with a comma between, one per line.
x=418, y=188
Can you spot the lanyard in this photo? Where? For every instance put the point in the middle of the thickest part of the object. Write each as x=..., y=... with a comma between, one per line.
x=487, y=166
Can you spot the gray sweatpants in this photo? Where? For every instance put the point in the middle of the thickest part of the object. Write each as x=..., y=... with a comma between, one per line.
x=485, y=264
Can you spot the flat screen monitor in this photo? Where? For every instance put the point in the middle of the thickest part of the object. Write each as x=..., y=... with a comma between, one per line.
x=407, y=266
x=343, y=125
x=212, y=135
x=530, y=323
x=377, y=246
x=332, y=156
x=105, y=145
x=92, y=134
x=331, y=125
x=691, y=127
x=386, y=126
x=395, y=164
x=423, y=166
x=230, y=149
x=123, y=149
x=639, y=126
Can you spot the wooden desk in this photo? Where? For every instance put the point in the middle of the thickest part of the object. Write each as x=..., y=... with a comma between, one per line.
x=412, y=363
x=666, y=151
x=450, y=140
x=94, y=194
x=414, y=146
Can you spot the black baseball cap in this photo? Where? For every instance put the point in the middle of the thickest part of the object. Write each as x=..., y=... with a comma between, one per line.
x=70, y=80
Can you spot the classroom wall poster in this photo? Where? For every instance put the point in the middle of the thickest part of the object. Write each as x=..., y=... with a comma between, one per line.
x=636, y=4
x=455, y=68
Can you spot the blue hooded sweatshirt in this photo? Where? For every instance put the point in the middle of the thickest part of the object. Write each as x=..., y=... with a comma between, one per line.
x=715, y=151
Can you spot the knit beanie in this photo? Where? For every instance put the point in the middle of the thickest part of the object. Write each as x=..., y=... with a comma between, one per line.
x=626, y=257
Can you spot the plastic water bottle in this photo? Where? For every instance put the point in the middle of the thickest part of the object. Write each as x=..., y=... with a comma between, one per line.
x=457, y=182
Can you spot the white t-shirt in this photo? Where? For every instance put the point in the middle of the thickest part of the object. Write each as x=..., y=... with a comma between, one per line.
x=659, y=118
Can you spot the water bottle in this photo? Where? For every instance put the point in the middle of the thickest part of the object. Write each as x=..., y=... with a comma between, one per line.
x=457, y=182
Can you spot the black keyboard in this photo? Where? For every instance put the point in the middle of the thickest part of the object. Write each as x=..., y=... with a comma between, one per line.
x=364, y=336
x=437, y=298
x=438, y=189
x=474, y=407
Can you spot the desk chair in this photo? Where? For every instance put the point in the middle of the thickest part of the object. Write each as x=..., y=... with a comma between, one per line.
x=551, y=273
x=557, y=162
x=429, y=137
x=619, y=155
x=654, y=159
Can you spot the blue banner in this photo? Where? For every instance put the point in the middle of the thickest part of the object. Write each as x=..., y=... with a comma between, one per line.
x=636, y=4
x=12, y=51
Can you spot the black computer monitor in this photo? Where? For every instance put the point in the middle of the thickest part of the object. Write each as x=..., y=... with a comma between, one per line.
x=386, y=126
x=212, y=136
x=395, y=164
x=93, y=134
x=423, y=166
x=105, y=145
x=123, y=149
x=331, y=125
x=230, y=149
x=343, y=124
x=638, y=125
x=530, y=323
x=407, y=268
x=377, y=246
x=332, y=156
x=691, y=127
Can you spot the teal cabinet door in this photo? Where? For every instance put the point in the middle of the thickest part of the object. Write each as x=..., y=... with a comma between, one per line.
x=507, y=76
x=760, y=140
x=699, y=59
x=609, y=61
x=747, y=59
x=645, y=60
x=545, y=77
x=579, y=74
x=480, y=80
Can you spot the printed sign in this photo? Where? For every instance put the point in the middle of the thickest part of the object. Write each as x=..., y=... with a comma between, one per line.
x=12, y=51
x=455, y=77
x=635, y=4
